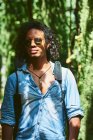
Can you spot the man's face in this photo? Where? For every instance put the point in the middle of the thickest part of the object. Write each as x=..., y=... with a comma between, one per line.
x=35, y=43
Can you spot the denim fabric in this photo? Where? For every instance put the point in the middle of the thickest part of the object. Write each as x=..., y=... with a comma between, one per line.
x=43, y=115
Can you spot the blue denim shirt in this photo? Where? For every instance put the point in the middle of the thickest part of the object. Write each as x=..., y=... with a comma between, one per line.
x=43, y=115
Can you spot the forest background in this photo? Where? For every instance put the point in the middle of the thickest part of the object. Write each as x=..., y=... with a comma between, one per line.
x=72, y=21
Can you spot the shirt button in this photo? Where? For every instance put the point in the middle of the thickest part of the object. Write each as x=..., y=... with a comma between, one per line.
x=40, y=109
x=38, y=123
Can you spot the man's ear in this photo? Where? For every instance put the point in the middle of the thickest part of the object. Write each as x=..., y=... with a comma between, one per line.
x=48, y=45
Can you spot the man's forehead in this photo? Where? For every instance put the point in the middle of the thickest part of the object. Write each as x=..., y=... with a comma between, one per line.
x=34, y=32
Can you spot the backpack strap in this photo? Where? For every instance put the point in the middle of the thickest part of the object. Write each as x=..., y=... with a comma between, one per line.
x=58, y=76
x=17, y=107
x=58, y=72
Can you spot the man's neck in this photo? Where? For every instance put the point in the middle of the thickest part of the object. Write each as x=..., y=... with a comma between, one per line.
x=38, y=64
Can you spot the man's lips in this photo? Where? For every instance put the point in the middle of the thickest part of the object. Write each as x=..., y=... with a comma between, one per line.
x=33, y=50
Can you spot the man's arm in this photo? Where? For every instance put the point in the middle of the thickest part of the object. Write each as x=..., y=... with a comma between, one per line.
x=74, y=126
x=7, y=132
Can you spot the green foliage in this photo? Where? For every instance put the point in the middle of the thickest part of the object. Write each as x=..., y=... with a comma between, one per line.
x=83, y=56
x=72, y=21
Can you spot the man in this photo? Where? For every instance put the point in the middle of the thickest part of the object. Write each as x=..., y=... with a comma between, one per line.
x=43, y=115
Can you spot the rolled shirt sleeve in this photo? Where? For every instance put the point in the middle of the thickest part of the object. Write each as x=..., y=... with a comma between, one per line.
x=72, y=99
x=7, y=108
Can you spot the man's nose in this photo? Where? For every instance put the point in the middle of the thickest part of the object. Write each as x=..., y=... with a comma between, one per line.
x=32, y=43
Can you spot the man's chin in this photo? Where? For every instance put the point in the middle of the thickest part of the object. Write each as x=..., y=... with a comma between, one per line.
x=34, y=56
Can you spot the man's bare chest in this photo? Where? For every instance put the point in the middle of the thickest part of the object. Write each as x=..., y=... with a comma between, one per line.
x=45, y=81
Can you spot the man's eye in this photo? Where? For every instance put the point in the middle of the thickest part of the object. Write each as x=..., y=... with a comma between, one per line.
x=38, y=41
x=28, y=42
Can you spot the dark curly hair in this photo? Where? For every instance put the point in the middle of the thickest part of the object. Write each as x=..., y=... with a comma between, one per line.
x=19, y=43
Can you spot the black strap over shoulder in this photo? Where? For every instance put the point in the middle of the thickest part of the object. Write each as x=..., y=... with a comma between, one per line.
x=58, y=71
x=58, y=76
x=17, y=107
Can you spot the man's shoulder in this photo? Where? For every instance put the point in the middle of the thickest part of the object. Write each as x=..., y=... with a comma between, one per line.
x=17, y=72
x=64, y=69
x=12, y=77
x=66, y=72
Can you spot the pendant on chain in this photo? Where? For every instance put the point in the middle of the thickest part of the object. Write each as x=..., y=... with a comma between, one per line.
x=40, y=83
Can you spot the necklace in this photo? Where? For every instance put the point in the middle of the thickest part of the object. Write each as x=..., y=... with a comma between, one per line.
x=40, y=81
